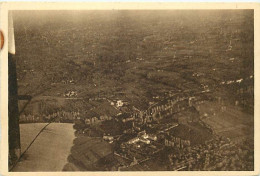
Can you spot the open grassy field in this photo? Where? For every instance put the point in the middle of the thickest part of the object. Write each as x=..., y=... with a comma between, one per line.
x=231, y=122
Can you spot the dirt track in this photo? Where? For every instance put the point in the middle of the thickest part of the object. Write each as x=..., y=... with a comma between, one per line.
x=49, y=151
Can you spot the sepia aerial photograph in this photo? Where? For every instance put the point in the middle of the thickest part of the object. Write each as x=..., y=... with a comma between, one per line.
x=131, y=90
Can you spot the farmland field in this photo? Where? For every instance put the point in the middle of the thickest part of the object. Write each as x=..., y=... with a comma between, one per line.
x=231, y=122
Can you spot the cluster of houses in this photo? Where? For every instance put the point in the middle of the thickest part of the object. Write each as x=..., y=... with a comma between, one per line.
x=143, y=137
x=59, y=116
x=68, y=81
x=140, y=148
x=63, y=116
x=153, y=113
x=248, y=89
x=117, y=103
x=160, y=111
x=108, y=138
x=30, y=118
x=172, y=141
x=95, y=119
x=125, y=117
x=71, y=94
x=236, y=81
x=138, y=118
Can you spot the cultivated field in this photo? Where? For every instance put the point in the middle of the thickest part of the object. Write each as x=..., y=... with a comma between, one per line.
x=230, y=122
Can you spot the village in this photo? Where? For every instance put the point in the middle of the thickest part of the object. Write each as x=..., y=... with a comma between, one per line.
x=147, y=90
x=172, y=125
x=175, y=124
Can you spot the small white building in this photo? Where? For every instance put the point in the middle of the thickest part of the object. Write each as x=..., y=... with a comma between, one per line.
x=110, y=138
x=119, y=103
x=134, y=140
x=146, y=141
x=152, y=137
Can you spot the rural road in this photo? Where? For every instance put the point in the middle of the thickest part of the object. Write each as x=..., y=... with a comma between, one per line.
x=49, y=151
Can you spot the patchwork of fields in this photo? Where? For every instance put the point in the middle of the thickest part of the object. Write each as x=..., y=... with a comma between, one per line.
x=194, y=68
